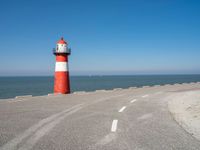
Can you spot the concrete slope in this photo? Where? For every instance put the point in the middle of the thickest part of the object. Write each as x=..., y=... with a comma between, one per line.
x=185, y=108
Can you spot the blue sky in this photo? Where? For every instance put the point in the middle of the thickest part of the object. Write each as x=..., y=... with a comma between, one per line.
x=106, y=36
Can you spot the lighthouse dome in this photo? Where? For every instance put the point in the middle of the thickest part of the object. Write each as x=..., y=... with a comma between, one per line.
x=62, y=41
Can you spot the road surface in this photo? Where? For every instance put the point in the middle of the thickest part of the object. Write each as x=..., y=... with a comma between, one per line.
x=121, y=119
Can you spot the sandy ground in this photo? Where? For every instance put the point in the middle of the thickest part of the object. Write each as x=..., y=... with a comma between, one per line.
x=185, y=108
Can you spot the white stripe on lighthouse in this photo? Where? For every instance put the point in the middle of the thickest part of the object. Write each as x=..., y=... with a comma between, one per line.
x=61, y=66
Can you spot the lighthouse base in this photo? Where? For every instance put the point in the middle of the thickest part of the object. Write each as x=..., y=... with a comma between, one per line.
x=62, y=83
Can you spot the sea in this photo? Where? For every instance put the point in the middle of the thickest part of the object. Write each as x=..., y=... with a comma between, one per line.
x=43, y=85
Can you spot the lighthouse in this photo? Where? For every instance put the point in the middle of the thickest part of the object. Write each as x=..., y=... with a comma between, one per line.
x=61, y=80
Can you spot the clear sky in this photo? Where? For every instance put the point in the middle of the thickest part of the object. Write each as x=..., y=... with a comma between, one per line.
x=106, y=36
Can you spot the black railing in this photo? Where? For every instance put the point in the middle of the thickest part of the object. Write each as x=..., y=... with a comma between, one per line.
x=57, y=52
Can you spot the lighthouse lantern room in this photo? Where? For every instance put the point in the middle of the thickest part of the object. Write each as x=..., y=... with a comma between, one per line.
x=62, y=47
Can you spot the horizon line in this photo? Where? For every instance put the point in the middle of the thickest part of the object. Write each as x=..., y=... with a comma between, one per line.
x=104, y=75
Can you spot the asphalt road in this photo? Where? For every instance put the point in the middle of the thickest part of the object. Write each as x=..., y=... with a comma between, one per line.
x=122, y=119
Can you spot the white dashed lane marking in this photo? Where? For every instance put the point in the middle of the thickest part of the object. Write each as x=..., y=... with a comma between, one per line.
x=122, y=109
x=134, y=100
x=145, y=96
x=114, y=126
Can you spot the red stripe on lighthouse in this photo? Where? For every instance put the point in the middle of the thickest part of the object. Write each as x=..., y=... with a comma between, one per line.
x=62, y=57
x=62, y=83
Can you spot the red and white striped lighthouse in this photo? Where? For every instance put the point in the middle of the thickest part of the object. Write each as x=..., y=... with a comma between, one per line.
x=61, y=81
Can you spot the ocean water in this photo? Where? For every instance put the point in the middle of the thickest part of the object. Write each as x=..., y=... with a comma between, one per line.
x=16, y=86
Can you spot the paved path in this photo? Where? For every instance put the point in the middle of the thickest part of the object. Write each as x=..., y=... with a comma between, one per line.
x=129, y=119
